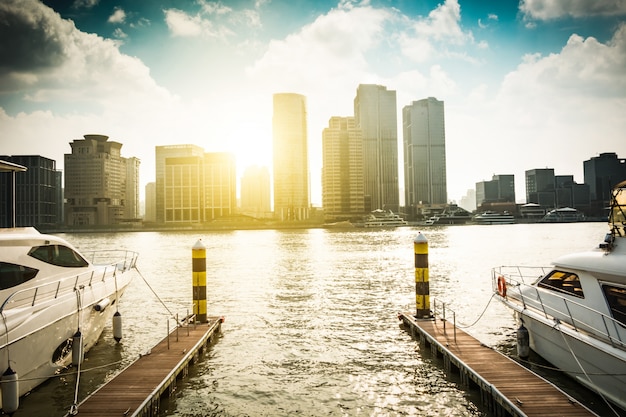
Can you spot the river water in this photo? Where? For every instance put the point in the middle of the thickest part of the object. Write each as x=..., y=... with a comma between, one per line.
x=311, y=322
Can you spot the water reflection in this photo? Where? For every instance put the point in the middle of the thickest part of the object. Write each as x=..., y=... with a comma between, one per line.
x=311, y=324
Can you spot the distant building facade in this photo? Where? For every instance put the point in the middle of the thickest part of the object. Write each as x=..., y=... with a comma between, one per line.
x=38, y=193
x=501, y=189
x=256, y=192
x=163, y=192
x=375, y=112
x=290, y=151
x=342, y=170
x=551, y=191
x=424, y=140
x=602, y=173
x=131, y=203
x=96, y=182
x=193, y=186
x=150, y=203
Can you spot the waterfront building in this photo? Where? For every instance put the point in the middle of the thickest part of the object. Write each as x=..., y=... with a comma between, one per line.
x=256, y=192
x=38, y=193
x=501, y=189
x=602, y=173
x=166, y=192
x=193, y=186
x=424, y=141
x=342, y=170
x=150, y=203
x=290, y=151
x=95, y=182
x=540, y=187
x=131, y=203
x=376, y=115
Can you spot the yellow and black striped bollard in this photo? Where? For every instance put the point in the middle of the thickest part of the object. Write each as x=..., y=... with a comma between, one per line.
x=198, y=255
x=422, y=290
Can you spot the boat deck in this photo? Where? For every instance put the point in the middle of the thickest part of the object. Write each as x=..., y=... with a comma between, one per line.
x=507, y=388
x=137, y=390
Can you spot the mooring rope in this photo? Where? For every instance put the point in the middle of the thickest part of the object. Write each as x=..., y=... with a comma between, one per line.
x=173, y=316
x=465, y=326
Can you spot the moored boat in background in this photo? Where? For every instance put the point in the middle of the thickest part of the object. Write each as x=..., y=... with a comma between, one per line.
x=575, y=311
x=491, y=217
x=384, y=218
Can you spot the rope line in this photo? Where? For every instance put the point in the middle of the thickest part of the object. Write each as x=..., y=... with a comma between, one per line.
x=465, y=326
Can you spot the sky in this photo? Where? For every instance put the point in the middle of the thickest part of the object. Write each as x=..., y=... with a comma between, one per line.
x=526, y=84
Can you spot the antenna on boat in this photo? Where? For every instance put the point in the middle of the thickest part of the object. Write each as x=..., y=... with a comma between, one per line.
x=6, y=166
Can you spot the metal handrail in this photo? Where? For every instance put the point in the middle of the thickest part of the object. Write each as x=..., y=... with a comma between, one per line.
x=122, y=261
x=519, y=289
x=443, y=315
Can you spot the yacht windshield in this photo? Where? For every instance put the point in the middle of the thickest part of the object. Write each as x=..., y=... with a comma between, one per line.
x=12, y=275
x=564, y=282
x=58, y=255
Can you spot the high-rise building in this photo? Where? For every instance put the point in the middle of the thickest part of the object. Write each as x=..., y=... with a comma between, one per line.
x=424, y=140
x=256, y=192
x=193, y=186
x=342, y=170
x=602, y=173
x=501, y=189
x=291, y=166
x=150, y=203
x=540, y=187
x=95, y=182
x=131, y=203
x=38, y=193
x=164, y=191
x=376, y=115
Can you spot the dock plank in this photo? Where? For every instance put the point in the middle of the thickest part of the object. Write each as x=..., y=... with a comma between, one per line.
x=137, y=389
x=517, y=390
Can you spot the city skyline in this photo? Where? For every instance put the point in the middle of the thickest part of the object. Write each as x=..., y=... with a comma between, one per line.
x=526, y=84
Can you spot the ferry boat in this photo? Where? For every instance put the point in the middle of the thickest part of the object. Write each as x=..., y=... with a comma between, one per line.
x=384, y=218
x=54, y=304
x=492, y=217
x=575, y=311
x=563, y=215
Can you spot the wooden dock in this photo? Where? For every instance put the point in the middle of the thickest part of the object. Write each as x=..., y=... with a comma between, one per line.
x=137, y=390
x=507, y=388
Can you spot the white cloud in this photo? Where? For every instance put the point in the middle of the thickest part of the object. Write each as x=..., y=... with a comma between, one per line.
x=553, y=9
x=118, y=16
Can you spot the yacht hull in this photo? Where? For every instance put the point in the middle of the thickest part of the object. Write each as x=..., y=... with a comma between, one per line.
x=599, y=367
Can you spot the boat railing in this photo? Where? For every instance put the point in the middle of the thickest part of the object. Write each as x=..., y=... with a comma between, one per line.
x=579, y=317
x=118, y=262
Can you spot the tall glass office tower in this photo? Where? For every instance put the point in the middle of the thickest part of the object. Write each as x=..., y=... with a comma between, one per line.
x=424, y=140
x=291, y=166
x=376, y=115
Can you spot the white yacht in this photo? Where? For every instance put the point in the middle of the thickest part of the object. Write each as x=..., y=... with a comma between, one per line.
x=384, y=218
x=492, y=217
x=575, y=311
x=54, y=304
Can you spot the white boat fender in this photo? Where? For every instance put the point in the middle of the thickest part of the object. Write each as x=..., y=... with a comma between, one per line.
x=77, y=348
x=117, y=326
x=104, y=303
x=10, y=391
x=523, y=342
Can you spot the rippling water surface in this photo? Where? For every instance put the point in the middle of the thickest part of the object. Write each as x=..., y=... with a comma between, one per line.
x=311, y=317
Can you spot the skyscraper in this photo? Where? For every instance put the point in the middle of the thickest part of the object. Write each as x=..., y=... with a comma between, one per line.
x=291, y=166
x=95, y=182
x=193, y=186
x=38, y=193
x=424, y=140
x=342, y=169
x=256, y=192
x=376, y=115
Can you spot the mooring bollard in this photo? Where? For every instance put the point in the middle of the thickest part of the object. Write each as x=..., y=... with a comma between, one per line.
x=422, y=291
x=198, y=255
